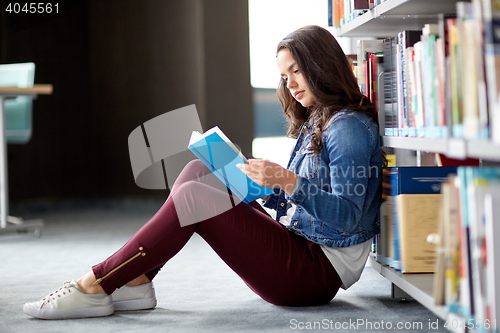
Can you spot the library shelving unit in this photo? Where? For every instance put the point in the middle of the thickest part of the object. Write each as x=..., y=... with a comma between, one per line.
x=392, y=16
x=386, y=20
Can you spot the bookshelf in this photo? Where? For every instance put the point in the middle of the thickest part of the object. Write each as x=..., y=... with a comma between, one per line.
x=418, y=286
x=451, y=147
x=392, y=16
x=386, y=20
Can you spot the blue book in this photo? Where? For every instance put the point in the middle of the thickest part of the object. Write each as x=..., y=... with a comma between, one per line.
x=220, y=155
x=413, y=180
x=419, y=180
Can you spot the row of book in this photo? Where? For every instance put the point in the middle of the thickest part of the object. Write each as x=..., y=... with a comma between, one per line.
x=446, y=220
x=342, y=11
x=440, y=81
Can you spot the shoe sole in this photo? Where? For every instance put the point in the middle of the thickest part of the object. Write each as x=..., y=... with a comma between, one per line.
x=101, y=311
x=135, y=304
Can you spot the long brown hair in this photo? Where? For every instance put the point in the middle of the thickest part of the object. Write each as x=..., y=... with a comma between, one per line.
x=330, y=79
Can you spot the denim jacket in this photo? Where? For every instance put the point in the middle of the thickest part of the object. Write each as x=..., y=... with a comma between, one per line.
x=337, y=193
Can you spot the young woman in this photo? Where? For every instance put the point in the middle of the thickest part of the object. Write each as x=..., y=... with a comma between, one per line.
x=326, y=202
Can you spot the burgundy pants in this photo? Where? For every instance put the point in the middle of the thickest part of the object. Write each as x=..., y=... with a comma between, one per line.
x=281, y=267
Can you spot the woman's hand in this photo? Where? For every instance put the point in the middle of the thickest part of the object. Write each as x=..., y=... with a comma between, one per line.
x=268, y=174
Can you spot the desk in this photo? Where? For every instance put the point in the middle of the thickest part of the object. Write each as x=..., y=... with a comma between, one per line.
x=13, y=92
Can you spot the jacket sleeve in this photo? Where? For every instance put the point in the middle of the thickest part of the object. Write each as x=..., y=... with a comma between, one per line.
x=272, y=201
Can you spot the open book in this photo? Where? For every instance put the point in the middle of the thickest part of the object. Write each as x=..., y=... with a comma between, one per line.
x=220, y=155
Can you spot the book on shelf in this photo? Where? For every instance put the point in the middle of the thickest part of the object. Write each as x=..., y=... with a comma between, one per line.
x=383, y=250
x=444, y=65
x=451, y=244
x=418, y=89
x=475, y=120
x=350, y=9
x=492, y=231
x=375, y=70
x=469, y=237
x=482, y=182
x=478, y=31
x=405, y=39
x=439, y=267
x=491, y=26
x=446, y=277
x=364, y=47
x=440, y=86
x=455, y=78
x=444, y=84
x=465, y=300
x=429, y=35
x=418, y=217
x=475, y=184
x=411, y=180
x=221, y=156
x=390, y=88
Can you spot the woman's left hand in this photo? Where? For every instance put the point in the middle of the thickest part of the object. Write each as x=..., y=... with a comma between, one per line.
x=268, y=174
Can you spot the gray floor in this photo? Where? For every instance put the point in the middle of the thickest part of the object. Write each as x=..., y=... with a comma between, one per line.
x=196, y=291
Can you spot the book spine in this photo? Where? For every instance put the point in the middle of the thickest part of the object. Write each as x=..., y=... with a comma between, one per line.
x=482, y=94
x=388, y=97
x=465, y=264
x=419, y=111
x=469, y=71
x=491, y=24
x=456, y=101
x=399, y=89
x=460, y=68
x=440, y=86
x=446, y=98
x=368, y=77
x=433, y=85
x=412, y=91
x=336, y=13
x=330, y=13
x=395, y=260
x=453, y=247
x=492, y=231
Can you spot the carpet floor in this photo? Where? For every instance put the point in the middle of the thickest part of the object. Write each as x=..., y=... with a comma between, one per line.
x=196, y=291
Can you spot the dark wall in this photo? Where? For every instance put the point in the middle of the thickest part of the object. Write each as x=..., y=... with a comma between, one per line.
x=115, y=64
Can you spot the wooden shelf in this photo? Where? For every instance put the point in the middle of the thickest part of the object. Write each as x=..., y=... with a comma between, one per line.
x=392, y=16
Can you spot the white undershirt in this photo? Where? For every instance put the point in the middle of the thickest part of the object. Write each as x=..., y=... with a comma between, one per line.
x=347, y=261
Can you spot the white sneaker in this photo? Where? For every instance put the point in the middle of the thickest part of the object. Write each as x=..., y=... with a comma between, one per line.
x=69, y=302
x=134, y=298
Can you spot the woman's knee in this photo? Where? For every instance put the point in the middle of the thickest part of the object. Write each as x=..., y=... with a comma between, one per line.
x=196, y=202
x=196, y=166
x=193, y=170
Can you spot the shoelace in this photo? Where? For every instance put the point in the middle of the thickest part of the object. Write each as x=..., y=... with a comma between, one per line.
x=65, y=288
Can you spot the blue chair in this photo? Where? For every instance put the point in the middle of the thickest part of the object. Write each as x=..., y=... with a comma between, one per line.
x=18, y=111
